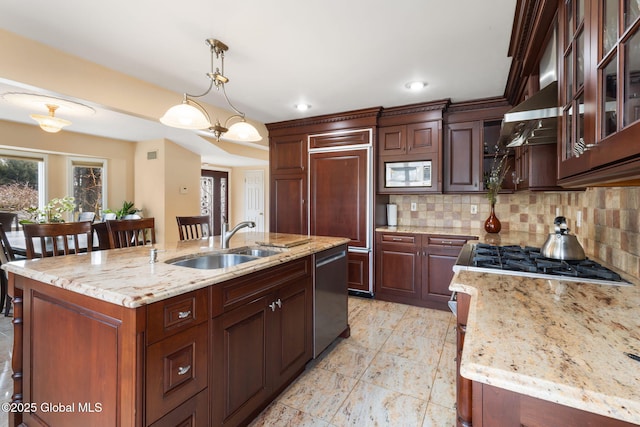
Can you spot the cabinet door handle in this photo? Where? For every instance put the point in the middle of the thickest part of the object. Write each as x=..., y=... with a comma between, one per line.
x=279, y=303
x=184, y=314
x=183, y=369
x=272, y=306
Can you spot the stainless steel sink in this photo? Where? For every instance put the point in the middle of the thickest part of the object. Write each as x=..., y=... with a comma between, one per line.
x=212, y=261
x=258, y=252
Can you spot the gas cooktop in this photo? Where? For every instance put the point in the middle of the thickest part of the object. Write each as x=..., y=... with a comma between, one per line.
x=527, y=261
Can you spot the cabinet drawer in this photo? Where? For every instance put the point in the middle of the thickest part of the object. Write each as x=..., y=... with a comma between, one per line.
x=194, y=413
x=447, y=240
x=176, y=370
x=399, y=238
x=165, y=318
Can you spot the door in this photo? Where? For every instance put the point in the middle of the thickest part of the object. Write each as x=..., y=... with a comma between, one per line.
x=462, y=157
x=339, y=196
x=254, y=198
x=214, y=198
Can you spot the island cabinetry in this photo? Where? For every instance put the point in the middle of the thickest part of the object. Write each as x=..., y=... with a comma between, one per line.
x=416, y=269
x=176, y=355
x=464, y=386
x=411, y=133
x=262, y=337
x=497, y=407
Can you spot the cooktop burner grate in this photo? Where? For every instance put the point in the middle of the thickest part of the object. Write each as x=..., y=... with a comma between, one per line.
x=528, y=261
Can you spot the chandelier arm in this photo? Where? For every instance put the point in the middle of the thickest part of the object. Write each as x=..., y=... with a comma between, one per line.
x=200, y=96
x=226, y=122
x=240, y=113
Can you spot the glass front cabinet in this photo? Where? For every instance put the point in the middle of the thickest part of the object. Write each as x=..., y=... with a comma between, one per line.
x=599, y=69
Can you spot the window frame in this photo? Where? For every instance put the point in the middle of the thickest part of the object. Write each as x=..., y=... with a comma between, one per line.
x=73, y=161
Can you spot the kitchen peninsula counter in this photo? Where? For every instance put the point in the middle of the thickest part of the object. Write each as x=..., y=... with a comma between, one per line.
x=126, y=277
x=554, y=340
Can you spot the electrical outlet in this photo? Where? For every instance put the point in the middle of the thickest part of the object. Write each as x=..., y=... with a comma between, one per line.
x=474, y=209
x=414, y=206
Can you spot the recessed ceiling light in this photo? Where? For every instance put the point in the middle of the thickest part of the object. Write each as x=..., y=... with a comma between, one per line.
x=415, y=85
x=302, y=107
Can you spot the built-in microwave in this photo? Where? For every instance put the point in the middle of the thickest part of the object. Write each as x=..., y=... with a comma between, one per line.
x=407, y=174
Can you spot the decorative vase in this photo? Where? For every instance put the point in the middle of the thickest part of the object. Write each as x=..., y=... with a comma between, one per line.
x=492, y=224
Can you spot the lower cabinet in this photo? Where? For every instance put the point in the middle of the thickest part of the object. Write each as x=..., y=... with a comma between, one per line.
x=416, y=269
x=260, y=342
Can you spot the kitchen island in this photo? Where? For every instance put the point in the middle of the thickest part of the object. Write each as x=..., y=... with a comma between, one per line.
x=110, y=338
x=550, y=352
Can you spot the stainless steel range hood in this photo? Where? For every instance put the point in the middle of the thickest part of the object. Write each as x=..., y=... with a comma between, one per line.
x=535, y=120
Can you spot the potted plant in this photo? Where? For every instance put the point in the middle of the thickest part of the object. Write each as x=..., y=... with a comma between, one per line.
x=127, y=211
x=51, y=212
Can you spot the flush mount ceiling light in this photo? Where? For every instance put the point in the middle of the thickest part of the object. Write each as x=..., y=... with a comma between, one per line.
x=415, y=85
x=191, y=115
x=50, y=123
x=302, y=107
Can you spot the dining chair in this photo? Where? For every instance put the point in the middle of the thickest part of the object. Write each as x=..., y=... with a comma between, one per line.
x=7, y=219
x=86, y=216
x=193, y=227
x=6, y=255
x=56, y=239
x=125, y=233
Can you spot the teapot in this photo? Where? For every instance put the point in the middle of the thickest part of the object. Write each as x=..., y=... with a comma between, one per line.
x=562, y=245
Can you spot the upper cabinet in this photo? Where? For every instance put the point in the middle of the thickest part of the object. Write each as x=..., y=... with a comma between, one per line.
x=411, y=133
x=600, y=44
x=598, y=66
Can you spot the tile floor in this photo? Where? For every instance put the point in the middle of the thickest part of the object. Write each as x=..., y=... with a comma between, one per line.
x=397, y=369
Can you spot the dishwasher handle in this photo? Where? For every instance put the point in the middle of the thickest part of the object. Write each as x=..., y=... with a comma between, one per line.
x=323, y=261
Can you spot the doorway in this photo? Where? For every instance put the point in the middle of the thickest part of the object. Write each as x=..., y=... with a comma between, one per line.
x=214, y=198
x=254, y=198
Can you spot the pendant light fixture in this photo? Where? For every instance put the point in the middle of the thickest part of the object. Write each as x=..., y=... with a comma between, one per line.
x=50, y=123
x=191, y=115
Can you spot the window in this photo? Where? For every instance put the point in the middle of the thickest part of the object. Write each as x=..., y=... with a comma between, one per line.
x=21, y=185
x=88, y=189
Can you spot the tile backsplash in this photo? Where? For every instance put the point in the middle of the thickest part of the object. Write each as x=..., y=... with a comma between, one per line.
x=609, y=217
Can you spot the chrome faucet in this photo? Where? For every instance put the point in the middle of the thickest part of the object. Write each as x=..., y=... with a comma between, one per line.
x=226, y=234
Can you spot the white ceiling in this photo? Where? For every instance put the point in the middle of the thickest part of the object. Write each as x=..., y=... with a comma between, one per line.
x=337, y=55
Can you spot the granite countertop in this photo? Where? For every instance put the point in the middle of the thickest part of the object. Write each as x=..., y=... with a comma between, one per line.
x=555, y=340
x=126, y=277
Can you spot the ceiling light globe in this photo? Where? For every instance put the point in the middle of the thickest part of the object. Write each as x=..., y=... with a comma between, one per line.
x=242, y=131
x=50, y=124
x=185, y=116
x=302, y=107
x=415, y=85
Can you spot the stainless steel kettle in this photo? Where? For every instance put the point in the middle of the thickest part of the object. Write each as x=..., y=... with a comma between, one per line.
x=562, y=245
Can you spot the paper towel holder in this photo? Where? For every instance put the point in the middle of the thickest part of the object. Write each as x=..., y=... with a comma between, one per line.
x=392, y=215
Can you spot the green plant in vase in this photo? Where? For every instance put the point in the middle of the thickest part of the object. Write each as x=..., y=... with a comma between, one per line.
x=53, y=211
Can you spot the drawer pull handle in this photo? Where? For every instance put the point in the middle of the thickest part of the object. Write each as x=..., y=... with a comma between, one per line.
x=184, y=314
x=183, y=369
x=397, y=239
x=279, y=303
x=272, y=306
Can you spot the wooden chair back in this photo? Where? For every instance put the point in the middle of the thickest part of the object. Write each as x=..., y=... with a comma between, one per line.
x=125, y=233
x=6, y=252
x=56, y=239
x=193, y=227
x=6, y=255
x=8, y=219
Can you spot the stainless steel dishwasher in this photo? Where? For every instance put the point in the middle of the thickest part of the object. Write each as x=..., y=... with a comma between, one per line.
x=330, y=297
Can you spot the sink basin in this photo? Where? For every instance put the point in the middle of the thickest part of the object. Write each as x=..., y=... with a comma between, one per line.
x=259, y=252
x=212, y=261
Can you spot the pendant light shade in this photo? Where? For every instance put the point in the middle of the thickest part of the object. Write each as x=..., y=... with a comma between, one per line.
x=191, y=115
x=50, y=123
x=243, y=131
x=185, y=116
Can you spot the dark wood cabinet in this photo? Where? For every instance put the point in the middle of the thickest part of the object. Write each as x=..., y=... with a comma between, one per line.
x=288, y=172
x=497, y=407
x=463, y=154
x=472, y=132
x=261, y=340
x=535, y=167
x=358, y=267
x=416, y=269
x=411, y=133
